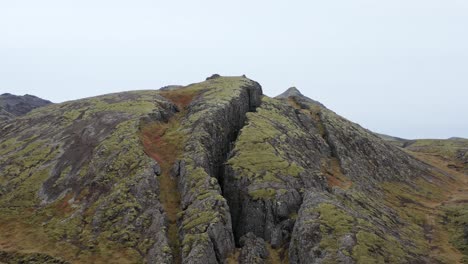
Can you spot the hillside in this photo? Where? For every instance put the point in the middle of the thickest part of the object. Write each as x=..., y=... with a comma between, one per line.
x=217, y=172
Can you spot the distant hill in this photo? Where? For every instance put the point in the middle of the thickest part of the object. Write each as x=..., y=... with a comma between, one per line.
x=454, y=149
x=400, y=142
x=12, y=106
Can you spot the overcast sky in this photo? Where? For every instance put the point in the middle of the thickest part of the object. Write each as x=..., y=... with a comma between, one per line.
x=398, y=67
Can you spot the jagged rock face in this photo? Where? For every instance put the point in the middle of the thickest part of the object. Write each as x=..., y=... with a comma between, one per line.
x=214, y=172
x=12, y=105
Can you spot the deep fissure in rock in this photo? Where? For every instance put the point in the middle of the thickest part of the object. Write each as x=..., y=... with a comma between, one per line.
x=221, y=169
x=233, y=203
x=222, y=123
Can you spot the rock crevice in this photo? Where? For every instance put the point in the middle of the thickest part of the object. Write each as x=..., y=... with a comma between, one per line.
x=205, y=224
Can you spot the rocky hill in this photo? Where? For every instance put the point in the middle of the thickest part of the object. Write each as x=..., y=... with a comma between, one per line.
x=216, y=172
x=12, y=106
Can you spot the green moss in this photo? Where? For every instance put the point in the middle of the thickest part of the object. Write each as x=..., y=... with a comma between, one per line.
x=24, y=171
x=197, y=177
x=71, y=115
x=262, y=158
x=263, y=193
x=204, y=195
x=371, y=248
x=166, y=249
x=133, y=102
x=83, y=170
x=132, y=107
x=124, y=148
x=200, y=218
x=371, y=218
x=190, y=240
x=25, y=194
x=63, y=175
x=334, y=220
x=8, y=145
x=259, y=155
x=334, y=224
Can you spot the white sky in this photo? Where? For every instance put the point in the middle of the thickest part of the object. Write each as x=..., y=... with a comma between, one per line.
x=398, y=67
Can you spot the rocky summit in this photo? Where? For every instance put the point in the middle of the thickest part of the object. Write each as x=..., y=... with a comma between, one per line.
x=217, y=172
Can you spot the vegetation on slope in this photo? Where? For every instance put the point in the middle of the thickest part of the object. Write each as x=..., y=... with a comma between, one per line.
x=73, y=196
